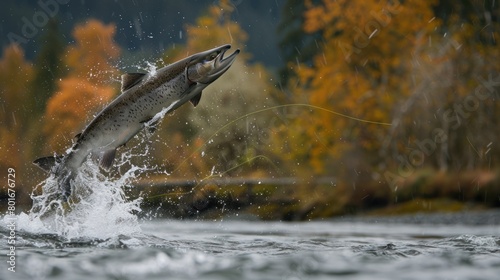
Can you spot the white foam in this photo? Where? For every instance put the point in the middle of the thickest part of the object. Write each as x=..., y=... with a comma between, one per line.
x=98, y=208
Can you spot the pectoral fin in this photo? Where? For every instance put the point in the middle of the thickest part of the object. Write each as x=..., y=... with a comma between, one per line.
x=196, y=99
x=107, y=159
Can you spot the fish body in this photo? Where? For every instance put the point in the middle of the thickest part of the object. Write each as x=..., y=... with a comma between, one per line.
x=144, y=99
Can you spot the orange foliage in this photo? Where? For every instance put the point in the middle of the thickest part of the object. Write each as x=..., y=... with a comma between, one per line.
x=362, y=69
x=95, y=48
x=86, y=89
x=15, y=76
x=72, y=107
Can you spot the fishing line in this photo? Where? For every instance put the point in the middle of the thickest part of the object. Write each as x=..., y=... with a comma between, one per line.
x=273, y=108
x=259, y=156
x=197, y=150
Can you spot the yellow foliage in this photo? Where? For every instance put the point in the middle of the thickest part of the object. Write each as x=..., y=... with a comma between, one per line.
x=362, y=70
x=9, y=149
x=391, y=61
x=215, y=29
x=452, y=75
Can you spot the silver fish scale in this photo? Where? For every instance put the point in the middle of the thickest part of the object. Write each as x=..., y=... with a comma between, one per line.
x=145, y=96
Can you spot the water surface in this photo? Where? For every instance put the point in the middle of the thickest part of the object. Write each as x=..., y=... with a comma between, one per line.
x=230, y=249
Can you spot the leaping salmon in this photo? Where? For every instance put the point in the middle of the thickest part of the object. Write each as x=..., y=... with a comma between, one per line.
x=143, y=97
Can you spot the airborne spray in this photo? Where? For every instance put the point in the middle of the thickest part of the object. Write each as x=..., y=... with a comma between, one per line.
x=77, y=199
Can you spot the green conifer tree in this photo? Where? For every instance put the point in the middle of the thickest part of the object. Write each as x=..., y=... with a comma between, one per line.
x=296, y=45
x=48, y=68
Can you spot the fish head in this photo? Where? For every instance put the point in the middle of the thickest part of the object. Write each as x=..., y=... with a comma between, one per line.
x=208, y=66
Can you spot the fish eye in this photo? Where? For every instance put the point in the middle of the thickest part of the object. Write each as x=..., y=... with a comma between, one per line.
x=212, y=56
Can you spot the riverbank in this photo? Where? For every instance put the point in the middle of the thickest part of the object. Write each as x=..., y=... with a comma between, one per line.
x=291, y=199
x=426, y=191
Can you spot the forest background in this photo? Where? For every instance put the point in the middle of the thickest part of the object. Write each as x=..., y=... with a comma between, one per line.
x=364, y=104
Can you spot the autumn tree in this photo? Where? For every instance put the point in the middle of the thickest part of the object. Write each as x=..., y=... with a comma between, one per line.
x=457, y=85
x=87, y=88
x=15, y=77
x=361, y=70
x=48, y=69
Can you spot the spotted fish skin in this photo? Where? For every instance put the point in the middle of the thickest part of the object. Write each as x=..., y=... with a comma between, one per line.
x=144, y=96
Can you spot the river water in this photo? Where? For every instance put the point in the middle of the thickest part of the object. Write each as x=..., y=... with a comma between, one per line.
x=102, y=234
x=355, y=248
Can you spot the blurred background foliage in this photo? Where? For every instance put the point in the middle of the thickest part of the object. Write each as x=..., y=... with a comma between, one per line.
x=427, y=68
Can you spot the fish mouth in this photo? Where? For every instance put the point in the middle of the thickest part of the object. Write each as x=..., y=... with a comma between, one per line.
x=208, y=66
x=221, y=64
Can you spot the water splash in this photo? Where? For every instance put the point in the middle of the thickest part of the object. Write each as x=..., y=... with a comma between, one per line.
x=97, y=209
x=151, y=68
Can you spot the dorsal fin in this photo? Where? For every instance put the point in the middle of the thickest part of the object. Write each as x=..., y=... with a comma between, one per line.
x=131, y=79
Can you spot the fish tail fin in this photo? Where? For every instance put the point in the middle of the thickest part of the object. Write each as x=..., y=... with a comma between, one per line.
x=47, y=163
x=64, y=175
